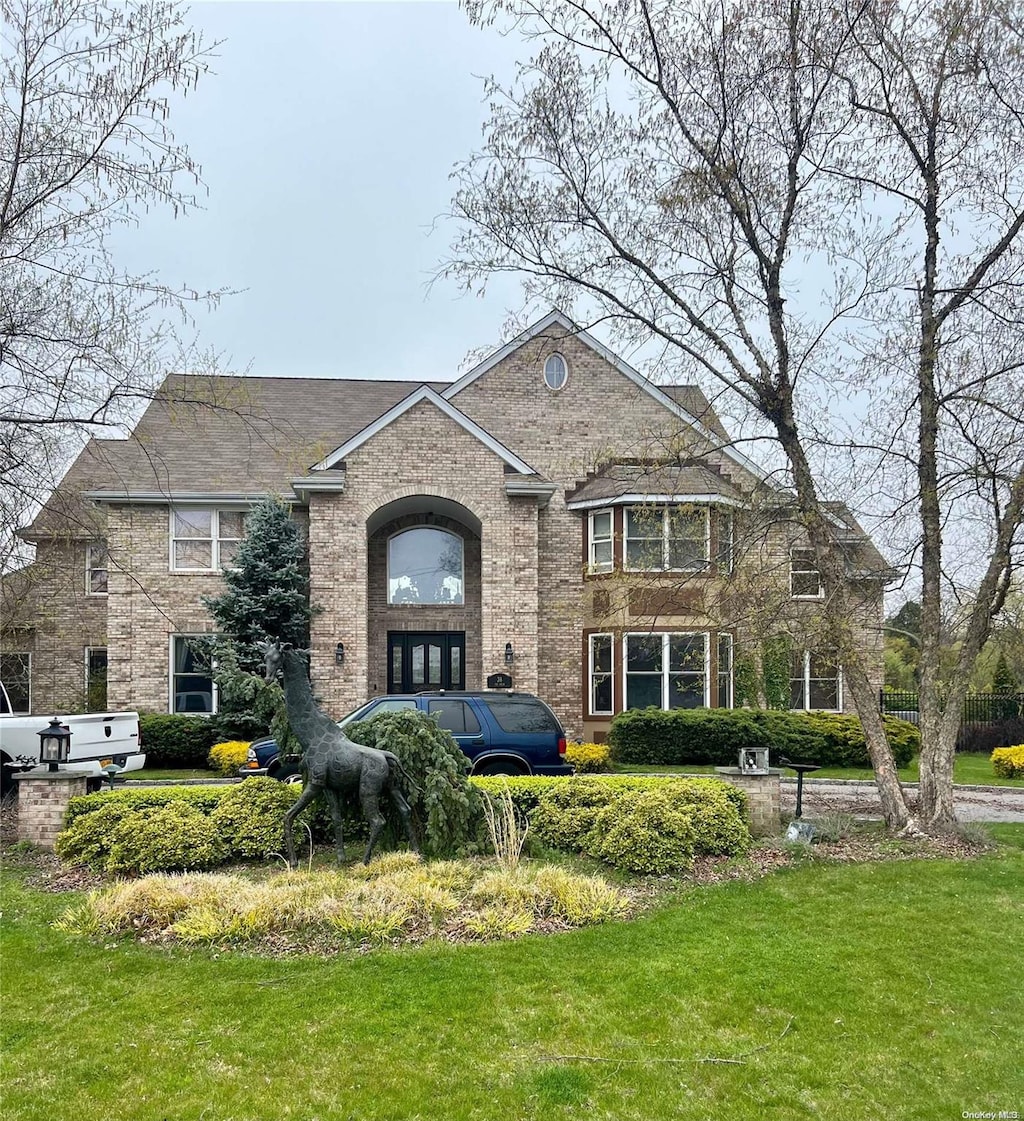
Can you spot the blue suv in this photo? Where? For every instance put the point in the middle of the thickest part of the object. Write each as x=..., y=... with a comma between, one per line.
x=501, y=733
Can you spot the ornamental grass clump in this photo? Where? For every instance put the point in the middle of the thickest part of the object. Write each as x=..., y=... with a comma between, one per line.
x=403, y=899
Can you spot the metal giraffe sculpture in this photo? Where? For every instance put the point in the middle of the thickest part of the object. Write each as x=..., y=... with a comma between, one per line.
x=332, y=764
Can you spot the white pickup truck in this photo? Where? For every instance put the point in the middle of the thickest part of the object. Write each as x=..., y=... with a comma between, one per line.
x=97, y=738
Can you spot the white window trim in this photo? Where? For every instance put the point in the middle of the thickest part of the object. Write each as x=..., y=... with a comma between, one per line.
x=731, y=638
x=665, y=538
x=90, y=568
x=807, y=687
x=793, y=571
x=666, y=636
x=462, y=570
x=592, y=565
x=591, y=672
x=215, y=538
x=544, y=371
x=20, y=711
x=172, y=673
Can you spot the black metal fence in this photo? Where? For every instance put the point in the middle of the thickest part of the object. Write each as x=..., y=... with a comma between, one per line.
x=978, y=708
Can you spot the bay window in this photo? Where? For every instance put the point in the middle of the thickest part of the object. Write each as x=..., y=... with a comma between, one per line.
x=601, y=556
x=601, y=674
x=666, y=538
x=666, y=670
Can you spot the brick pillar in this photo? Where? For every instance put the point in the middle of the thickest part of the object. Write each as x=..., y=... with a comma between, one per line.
x=763, y=798
x=43, y=802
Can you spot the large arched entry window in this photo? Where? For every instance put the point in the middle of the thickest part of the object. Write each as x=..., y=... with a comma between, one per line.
x=425, y=565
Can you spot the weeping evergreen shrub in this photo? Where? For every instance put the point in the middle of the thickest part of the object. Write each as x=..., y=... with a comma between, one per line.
x=446, y=807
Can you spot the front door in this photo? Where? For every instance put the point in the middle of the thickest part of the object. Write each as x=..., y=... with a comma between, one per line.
x=421, y=661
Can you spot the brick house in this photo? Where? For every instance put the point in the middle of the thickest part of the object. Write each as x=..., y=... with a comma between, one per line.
x=551, y=513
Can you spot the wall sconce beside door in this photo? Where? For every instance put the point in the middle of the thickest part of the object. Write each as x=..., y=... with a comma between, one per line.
x=339, y=654
x=510, y=655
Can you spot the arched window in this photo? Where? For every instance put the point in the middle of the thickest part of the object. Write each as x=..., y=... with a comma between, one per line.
x=425, y=565
x=556, y=371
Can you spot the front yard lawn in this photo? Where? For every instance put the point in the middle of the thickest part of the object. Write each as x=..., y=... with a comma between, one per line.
x=842, y=991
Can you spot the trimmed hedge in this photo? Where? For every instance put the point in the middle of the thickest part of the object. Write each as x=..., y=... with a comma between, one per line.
x=646, y=825
x=226, y=758
x=119, y=831
x=714, y=736
x=171, y=740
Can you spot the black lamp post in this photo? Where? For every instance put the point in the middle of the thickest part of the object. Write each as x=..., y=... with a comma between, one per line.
x=54, y=744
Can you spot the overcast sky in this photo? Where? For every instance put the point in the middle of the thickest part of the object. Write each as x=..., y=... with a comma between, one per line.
x=326, y=138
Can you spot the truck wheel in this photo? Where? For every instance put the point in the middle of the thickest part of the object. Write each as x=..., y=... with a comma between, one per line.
x=290, y=773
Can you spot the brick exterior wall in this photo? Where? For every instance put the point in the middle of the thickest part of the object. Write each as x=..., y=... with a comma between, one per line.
x=524, y=560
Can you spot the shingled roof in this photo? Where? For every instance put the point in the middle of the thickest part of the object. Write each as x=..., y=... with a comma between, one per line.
x=218, y=435
x=666, y=481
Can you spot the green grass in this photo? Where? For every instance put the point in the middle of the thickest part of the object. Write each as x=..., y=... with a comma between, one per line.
x=173, y=774
x=845, y=992
x=971, y=770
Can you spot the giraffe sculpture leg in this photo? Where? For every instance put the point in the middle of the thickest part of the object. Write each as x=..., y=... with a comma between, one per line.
x=309, y=792
x=334, y=801
x=369, y=799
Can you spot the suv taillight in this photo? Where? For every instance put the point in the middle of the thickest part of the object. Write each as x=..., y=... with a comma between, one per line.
x=561, y=745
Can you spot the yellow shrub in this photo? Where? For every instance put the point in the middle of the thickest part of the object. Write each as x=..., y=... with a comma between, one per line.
x=1008, y=762
x=588, y=757
x=226, y=758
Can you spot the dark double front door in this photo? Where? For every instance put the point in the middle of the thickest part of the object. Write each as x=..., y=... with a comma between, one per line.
x=426, y=660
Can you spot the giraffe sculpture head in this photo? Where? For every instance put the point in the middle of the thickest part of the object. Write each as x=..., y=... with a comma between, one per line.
x=273, y=660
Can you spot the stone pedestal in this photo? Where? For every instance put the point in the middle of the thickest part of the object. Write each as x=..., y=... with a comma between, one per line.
x=763, y=798
x=43, y=802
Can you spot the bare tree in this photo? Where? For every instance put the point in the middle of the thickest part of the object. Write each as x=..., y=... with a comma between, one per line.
x=85, y=147
x=816, y=206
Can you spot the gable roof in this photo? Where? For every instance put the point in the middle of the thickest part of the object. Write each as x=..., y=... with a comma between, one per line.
x=425, y=393
x=677, y=399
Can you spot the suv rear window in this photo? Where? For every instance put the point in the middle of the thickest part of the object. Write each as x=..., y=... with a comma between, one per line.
x=523, y=715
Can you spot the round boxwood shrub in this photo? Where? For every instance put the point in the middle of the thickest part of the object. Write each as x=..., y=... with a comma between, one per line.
x=249, y=817
x=645, y=831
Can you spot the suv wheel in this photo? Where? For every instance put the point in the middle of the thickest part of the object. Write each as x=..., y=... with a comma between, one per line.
x=500, y=767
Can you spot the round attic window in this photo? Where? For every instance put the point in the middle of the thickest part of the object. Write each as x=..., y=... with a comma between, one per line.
x=556, y=371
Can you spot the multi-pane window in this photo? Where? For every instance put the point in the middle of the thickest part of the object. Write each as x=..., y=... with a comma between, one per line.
x=96, y=569
x=725, y=667
x=16, y=674
x=601, y=529
x=666, y=538
x=666, y=670
x=192, y=687
x=805, y=578
x=425, y=565
x=204, y=539
x=95, y=679
x=815, y=681
x=601, y=674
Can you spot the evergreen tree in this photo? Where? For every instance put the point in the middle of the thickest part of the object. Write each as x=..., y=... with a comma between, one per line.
x=266, y=599
x=1003, y=680
x=267, y=595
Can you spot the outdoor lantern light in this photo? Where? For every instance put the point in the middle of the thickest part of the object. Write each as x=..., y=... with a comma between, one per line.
x=754, y=760
x=339, y=654
x=510, y=656
x=54, y=744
